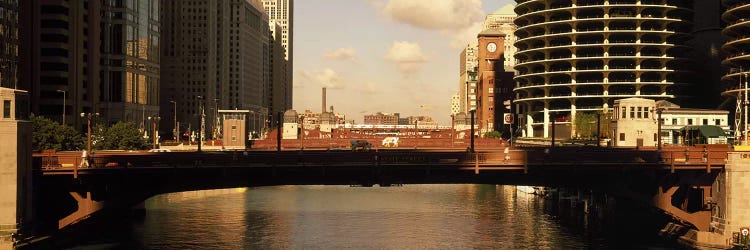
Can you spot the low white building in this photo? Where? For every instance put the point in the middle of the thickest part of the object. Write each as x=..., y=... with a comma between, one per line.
x=634, y=123
x=291, y=125
x=674, y=119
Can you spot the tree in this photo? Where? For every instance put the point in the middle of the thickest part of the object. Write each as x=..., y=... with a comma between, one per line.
x=48, y=134
x=493, y=134
x=123, y=135
x=586, y=124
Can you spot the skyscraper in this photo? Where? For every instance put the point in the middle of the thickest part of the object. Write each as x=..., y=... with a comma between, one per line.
x=60, y=56
x=502, y=20
x=581, y=57
x=131, y=61
x=216, y=55
x=281, y=13
x=467, y=82
x=9, y=46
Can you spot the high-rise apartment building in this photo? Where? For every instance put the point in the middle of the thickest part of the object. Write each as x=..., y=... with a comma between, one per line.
x=60, y=57
x=9, y=45
x=281, y=13
x=216, y=56
x=279, y=91
x=467, y=82
x=580, y=56
x=736, y=49
x=502, y=21
x=130, y=59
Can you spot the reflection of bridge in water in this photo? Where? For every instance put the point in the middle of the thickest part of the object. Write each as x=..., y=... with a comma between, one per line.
x=677, y=180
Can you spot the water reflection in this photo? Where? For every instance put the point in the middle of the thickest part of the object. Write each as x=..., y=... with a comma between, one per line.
x=342, y=217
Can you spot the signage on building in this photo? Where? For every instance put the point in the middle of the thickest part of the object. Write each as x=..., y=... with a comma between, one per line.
x=507, y=118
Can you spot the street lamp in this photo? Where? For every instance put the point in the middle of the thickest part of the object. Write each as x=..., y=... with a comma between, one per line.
x=176, y=130
x=155, y=134
x=88, y=122
x=203, y=123
x=64, y=98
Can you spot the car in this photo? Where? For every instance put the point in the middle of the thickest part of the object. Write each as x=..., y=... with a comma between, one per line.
x=159, y=150
x=390, y=142
x=362, y=145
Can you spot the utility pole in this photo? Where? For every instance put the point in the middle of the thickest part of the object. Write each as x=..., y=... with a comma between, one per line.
x=472, y=128
x=202, y=125
x=64, y=99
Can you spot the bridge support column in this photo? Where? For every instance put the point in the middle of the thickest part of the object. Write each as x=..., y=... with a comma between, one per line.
x=15, y=177
x=86, y=207
x=729, y=201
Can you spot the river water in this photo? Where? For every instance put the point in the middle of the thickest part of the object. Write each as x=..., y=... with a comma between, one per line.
x=343, y=217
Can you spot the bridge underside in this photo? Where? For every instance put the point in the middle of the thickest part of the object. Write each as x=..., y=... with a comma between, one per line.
x=69, y=198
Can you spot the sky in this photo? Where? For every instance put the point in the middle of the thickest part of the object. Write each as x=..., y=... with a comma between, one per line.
x=392, y=56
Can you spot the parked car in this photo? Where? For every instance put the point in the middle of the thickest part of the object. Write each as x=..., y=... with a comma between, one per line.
x=390, y=142
x=362, y=145
x=160, y=150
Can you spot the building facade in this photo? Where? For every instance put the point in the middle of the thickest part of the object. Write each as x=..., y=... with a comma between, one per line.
x=674, y=119
x=15, y=165
x=9, y=22
x=580, y=56
x=502, y=21
x=281, y=13
x=489, y=59
x=467, y=82
x=633, y=123
x=216, y=56
x=455, y=104
x=736, y=49
x=380, y=118
x=60, y=45
x=130, y=55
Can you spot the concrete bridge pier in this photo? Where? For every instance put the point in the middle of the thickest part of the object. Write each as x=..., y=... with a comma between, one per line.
x=729, y=201
x=15, y=170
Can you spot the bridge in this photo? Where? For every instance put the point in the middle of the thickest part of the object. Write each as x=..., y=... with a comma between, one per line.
x=680, y=181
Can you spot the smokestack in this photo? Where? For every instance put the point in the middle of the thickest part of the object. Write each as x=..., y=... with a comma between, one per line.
x=324, y=100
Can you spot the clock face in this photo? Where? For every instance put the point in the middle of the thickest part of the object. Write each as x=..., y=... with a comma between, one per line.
x=491, y=47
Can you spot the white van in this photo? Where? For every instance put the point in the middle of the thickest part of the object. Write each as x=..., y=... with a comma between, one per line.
x=390, y=142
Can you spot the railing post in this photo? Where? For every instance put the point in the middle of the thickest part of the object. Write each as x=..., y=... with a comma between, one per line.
x=476, y=162
x=672, y=160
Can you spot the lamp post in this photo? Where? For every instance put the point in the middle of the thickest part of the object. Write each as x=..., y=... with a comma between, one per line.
x=64, y=100
x=155, y=120
x=472, y=129
x=217, y=129
x=88, y=134
x=202, y=125
x=176, y=130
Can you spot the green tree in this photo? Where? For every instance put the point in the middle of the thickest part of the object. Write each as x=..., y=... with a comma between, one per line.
x=586, y=124
x=493, y=134
x=123, y=135
x=48, y=134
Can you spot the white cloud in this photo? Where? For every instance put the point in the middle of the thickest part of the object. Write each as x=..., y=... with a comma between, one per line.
x=407, y=55
x=343, y=54
x=435, y=14
x=322, y=78
x=458, y=20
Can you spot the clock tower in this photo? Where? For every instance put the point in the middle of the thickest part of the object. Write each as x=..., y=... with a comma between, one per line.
x=490, y=59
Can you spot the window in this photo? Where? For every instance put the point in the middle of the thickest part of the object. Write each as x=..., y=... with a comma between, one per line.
x=645, y=112
x=622, y=136
x=718, y=122
x=234, y=127
x=640, y=111
x=674, y=121
x=234, y=138
x=705, y=121
x=6, y=109
x=624, y=113
x=655, y=137
x=632, y=112
x=689, y=121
